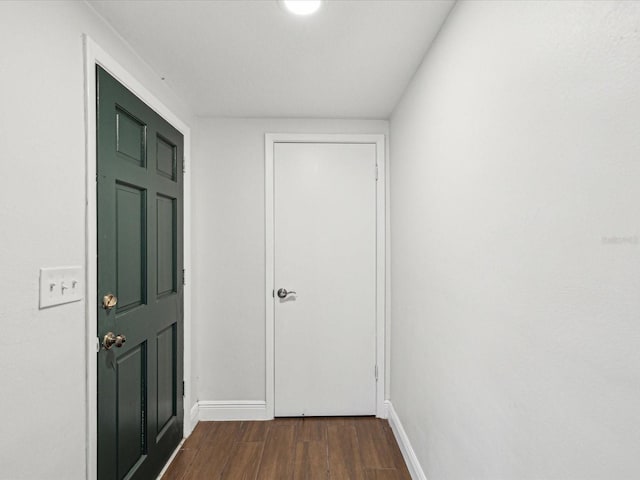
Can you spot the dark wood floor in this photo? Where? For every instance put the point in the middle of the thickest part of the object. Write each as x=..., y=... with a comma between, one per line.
x=344, y=448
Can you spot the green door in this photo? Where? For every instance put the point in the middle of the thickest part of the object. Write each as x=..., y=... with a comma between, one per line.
x=140, y=252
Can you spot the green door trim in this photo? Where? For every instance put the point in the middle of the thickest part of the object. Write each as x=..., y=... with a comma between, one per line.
x=95, y=55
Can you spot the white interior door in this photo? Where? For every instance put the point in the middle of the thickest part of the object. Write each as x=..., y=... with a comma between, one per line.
x=325, y=251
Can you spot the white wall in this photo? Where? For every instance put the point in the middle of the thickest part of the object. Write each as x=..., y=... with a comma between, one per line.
x=229, y=249
x=42, y=209
x=515, y=156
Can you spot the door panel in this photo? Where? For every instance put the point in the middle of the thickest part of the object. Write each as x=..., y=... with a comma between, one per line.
x=166, y=253
x=325, y=250
x=131, y=135
x=131, y=383
x=167, y=388
x=131, y=207
x=167, y=158
x=140, y=251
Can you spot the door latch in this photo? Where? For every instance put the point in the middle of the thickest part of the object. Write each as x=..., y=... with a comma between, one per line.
x=283, y=293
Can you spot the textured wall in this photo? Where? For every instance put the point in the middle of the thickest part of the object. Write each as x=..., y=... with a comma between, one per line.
x=515, y=255
x=229, y=249
x=42, y=208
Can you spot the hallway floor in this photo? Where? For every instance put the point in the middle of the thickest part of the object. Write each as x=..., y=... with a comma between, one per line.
x=344, y=448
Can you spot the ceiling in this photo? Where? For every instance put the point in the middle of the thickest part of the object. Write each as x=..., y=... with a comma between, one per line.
x=250, y=58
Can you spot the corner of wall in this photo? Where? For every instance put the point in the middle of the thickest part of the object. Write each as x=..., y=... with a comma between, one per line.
x=410, y=458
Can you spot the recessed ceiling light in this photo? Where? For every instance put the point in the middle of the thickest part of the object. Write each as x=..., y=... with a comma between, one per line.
x=301, y=7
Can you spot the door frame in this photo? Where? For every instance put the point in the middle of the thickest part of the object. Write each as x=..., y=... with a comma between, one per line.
x=381, y=254
x=95, y=55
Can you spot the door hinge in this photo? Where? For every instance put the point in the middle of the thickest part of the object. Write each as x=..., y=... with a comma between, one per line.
x=376, y=172
x=184, y=166
x=183, y=388
x=184, y=277
x=376, y=373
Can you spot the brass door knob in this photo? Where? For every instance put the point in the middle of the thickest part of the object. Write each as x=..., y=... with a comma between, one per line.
x=111, y=339
x=109, y=301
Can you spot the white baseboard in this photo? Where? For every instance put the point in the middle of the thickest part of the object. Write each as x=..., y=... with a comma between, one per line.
x=218, y=410
x=405, y=445
x=385, y=409
x=195, y=416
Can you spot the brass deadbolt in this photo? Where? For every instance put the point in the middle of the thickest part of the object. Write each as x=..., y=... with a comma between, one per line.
x=109, y=301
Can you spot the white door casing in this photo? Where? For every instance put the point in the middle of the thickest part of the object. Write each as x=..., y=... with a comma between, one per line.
x=325, y=225
x=95, y=55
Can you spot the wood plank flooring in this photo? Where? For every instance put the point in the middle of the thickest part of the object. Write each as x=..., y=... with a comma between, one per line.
x=332, y=448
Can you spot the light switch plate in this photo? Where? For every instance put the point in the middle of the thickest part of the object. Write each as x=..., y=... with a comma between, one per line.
x=60, y=285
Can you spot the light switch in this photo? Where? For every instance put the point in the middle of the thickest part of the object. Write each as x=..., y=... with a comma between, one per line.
x=60, y=285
